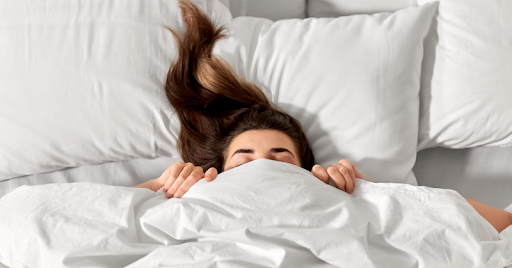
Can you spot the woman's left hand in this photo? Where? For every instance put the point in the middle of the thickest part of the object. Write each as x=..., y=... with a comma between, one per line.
x=343, y=173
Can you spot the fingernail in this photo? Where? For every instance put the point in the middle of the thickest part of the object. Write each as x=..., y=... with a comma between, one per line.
x=177, y=196
x=168, y=195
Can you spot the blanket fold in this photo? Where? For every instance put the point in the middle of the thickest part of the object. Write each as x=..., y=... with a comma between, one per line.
x=262, y=214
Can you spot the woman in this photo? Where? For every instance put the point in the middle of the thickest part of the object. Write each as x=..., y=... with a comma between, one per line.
x=226, y=121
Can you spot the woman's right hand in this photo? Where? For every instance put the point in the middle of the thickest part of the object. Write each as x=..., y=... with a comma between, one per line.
x=179, y=177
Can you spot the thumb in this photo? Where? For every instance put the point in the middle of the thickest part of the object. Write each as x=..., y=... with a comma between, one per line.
x=320, y=173
x=211, y=174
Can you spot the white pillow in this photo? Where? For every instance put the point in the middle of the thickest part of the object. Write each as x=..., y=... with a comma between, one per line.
x=269, y=9
x=81, y=82
x=466, y=95
x=335, y=8
x=225, y=3
x=238, y=8
x=353, y=82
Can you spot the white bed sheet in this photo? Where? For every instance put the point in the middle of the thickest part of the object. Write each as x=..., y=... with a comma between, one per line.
x=483, y=173
x=123, y=173
x=238, y=220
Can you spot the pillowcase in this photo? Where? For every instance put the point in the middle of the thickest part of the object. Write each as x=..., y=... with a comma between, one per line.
x=335, y=8
x=353, y=82
x=270, y=9
x=225, y=3
x=466, y=92
x=81, y=82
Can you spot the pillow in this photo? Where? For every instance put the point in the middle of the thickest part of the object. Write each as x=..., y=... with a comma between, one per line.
x=225, y=3
x=238, y=8
x=81, y=82
x=270, y=9
x=466, y=92
x=335, y=8
x=352, y=82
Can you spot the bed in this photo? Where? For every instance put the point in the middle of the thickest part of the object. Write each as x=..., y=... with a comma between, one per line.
x=434, y=110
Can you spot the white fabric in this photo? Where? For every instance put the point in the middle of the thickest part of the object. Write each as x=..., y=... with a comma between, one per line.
x=352, y=82
x=509, y=208
x=225, y=3
x=275, y=9
x=264, y=213
x=81, y=82
x=483, y=174
x=460, y=170
x=466, y=84
x=336, y=8
x=507, y=233
x=238, y=8
x=123, y=173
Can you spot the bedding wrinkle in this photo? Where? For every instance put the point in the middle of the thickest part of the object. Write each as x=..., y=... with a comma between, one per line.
x=383, y=250
x=262, y=214
x=191, y=220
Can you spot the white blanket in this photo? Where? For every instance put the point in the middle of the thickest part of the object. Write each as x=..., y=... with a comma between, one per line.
x=261, y=214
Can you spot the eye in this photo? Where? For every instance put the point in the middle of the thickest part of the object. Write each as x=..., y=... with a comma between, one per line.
x=244, y=162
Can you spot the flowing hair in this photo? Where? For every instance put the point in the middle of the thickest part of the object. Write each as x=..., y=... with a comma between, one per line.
x=213, y=104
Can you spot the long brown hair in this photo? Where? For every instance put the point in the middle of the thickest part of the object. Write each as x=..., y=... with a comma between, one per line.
x=213, y=104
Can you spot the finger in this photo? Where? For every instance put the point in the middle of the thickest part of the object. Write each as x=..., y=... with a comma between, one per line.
x=346, y=169
x=345, y=162
x=178, y=180
x=163, y=178
x=350, y=164
x=320, y=173
x=211, y=174
x=336, y=176
x=195, y=176
x=160, y=182
x=349, y=181
x=350, y=167
x=174, y=171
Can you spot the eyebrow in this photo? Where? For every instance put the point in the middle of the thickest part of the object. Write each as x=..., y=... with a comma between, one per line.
x=251, y=151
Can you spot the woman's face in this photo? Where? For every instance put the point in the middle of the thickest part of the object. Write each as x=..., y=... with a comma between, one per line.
x=262, y=143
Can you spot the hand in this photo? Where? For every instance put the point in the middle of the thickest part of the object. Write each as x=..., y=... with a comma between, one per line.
x=179, y=177
x=343, y=174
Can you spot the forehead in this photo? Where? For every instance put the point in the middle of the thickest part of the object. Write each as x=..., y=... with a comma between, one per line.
x=262, y=138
